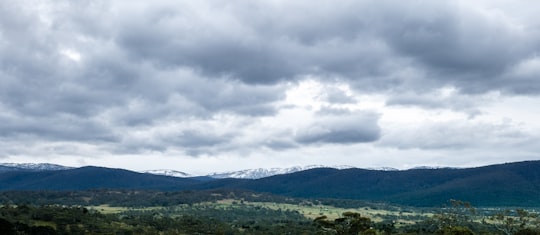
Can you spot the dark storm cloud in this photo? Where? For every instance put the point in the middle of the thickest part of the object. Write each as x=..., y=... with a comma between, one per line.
x=343, y=129
x=56, y=128
x=452, y=101
x=464, y=47
x=196, y=138
x=256, y=49
x=54, y=97
x=193, y=140
x=337, y=96
x=232, y=96
x=363, y=42
x=280, y=144
x=457, y=136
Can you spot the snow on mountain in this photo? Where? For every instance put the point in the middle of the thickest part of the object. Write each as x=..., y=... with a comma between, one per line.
x=173, y=173
x=382, y=169
x=36, y=166
x=262, y=172
x=432, y=167
x=241, y=174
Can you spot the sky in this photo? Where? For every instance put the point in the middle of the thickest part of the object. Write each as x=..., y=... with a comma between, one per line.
x=211, y=86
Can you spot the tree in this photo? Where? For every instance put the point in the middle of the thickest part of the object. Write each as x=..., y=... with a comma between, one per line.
x=6, y=227
x=455, y=219
x=519, y=221
x=455, y=230
x=350, y=223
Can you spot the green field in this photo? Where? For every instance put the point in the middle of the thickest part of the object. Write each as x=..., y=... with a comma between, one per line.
x=310, y=211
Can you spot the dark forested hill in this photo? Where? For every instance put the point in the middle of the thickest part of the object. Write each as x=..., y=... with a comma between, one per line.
x=89, y=178
x=512, y=184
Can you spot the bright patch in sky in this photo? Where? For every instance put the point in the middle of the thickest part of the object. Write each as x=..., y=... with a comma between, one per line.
x=71, y=54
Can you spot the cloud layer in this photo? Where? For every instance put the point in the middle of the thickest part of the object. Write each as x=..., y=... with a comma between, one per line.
x=184, y=79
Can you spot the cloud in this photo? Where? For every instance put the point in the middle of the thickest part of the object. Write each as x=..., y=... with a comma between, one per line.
x=335, y=95
x=457, y=135
x=231, y=96
x=57, y=128
x=186, y=78
x=343, y=129
x=370, y=45
x=448, y=43
x=523, y=76
x=443, y=99
x=457, y=43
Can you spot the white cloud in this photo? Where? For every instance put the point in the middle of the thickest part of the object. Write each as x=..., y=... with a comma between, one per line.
x=71, y=54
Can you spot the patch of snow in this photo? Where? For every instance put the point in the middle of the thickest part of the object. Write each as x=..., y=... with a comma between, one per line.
x=37, y=166
x=166, y=172
x=263, y=172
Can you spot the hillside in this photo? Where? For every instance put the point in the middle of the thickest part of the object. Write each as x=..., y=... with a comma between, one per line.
x=89, y=178
x=506, y=184
x=267, y=172
x=511, y=184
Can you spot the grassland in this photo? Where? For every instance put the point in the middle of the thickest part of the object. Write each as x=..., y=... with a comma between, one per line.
x=249, y=213
x=309, y=211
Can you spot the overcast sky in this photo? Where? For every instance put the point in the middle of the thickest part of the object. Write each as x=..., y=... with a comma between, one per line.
x=206, y=86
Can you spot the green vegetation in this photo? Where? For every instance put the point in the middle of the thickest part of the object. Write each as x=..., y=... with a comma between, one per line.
x=200, y=219
x=136, y=198
x=461, y=218
x=350, y=223
x=243, y=212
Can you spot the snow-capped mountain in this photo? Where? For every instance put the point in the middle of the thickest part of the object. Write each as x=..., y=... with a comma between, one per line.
x=382, y=169
x=35, y=166
x=262, y=172
x=432, y=167
x=173, y=173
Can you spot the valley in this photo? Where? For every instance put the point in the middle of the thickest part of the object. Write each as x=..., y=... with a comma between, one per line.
x=496, y=199
x=242, y=212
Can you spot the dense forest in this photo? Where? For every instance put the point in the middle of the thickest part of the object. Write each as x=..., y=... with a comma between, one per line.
x=241, y=212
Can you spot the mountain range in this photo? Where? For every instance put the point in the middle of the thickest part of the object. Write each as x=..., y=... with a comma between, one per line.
x=264, y=172
x=167, y=172
x=4, y=167
x=510, y=184
x=241, y=174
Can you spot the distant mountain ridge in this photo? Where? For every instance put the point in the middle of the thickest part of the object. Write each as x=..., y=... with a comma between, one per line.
x=32, y=167
x=266, y=172
x=510, y=184
x=240, y=174
x=90, y=177
x=503, y=184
